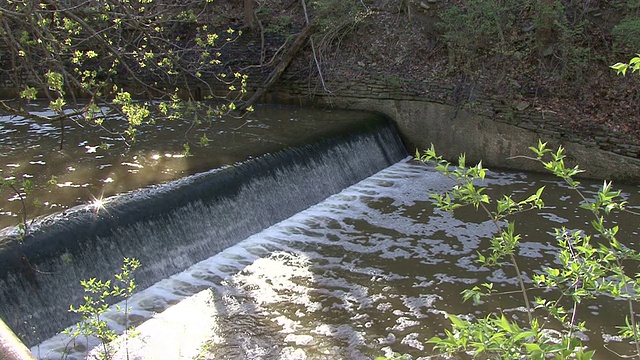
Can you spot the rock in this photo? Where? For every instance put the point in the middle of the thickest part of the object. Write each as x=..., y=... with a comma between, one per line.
x=548, y=51
x=521, y=105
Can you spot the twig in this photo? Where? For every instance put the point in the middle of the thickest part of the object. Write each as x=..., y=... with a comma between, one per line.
x=622, y=356
x=300, y=41
x=273, y=58
x=263, y=50
x=523, y=288
x=313, y=50
x=23, y=220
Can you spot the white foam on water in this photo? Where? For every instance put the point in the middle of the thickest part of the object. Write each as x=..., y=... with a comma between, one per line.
x=248, y=283
x=359, y=275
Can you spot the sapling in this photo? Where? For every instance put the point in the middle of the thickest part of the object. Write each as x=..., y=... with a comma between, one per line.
x=590, y=267
x=96, y=304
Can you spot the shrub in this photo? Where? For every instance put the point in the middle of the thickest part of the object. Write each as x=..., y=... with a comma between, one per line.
x=626, y=35
x=96, y=305
x=477, y=28
x=589, y=267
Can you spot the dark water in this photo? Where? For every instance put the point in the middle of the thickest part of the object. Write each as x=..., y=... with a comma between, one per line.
x=172, y=226
x=94, y=164
x=371, y=270
x=272, y=269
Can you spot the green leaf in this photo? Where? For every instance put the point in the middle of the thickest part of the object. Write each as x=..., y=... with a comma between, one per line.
x=620, y=68
x=30, y=93
x=504, y=323
x=532, y=347
x=462, y=160
x=456, y=321
x=524, y=335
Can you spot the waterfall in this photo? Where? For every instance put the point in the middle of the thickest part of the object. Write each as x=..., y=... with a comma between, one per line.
x=172, y=226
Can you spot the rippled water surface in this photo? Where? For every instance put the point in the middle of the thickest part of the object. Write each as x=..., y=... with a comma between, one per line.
x=93, y=163
x=370, y=271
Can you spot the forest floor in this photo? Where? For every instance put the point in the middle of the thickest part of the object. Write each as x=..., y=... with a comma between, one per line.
x=405, y=44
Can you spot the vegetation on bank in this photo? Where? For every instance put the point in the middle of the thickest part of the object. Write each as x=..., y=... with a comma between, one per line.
x=550, y=57
x=94, y=327
x=86, y=57
x=591, y=264
x=552, y=53
x=92, y=60
x=554, y=49
x=97, y=63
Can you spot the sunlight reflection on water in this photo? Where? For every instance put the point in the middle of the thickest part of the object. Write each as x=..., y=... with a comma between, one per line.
x=369, y=271
x=94, y=162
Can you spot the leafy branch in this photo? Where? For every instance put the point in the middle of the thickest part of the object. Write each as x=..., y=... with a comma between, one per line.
x=590, y=266
x=95, y=61
x=96, y=304
x=633, y=65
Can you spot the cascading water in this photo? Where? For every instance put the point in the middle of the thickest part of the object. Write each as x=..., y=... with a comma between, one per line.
x=173, y=226
x=369, y=271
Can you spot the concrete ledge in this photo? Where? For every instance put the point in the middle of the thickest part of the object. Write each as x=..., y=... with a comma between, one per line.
x=454, y=131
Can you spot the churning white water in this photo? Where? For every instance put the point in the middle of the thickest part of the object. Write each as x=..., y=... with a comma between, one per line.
x=367, y=272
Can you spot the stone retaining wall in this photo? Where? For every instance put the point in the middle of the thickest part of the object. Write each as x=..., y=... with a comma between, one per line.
x=518, y=113
x=457, y=120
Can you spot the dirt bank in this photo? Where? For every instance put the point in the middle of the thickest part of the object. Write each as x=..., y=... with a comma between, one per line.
x=401, y=45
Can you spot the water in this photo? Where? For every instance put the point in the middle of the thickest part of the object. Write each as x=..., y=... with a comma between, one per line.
x=94, y=164
x=273, y=270
x=369, y=271
x=170, y=227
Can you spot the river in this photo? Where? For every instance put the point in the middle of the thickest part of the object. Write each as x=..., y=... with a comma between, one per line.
x=89, y=163
x=369, y=269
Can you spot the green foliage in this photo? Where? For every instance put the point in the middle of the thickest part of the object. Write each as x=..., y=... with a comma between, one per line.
x=499, y=337
x=187, y=149
x=626, y=35
x=102, y=62
x=573, y=48
x=563, y=37
x=633, y=65
x=335, y=19
x=332, y=12
x=588, y=267
x=96, y=304
x=275, y=23
x=280, y=24
x=556, y=32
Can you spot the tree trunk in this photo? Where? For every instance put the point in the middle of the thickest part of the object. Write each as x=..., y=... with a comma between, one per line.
x=248, y=13
x=298, y=44
x=545, y=26
x=11, y=348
